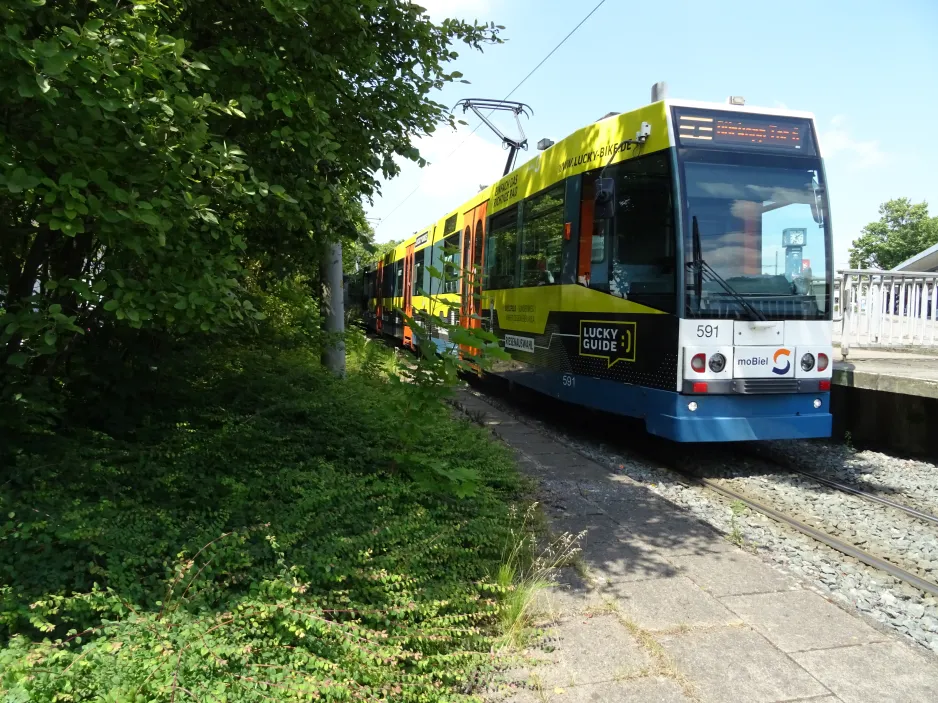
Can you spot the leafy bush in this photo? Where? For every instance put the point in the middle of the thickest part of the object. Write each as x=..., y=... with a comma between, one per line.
x=253, y=538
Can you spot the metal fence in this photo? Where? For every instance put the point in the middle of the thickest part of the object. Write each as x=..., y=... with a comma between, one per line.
x=886, y=309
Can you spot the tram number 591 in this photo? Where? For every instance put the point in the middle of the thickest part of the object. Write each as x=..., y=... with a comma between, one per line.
x=708, y=331
x=569, y=381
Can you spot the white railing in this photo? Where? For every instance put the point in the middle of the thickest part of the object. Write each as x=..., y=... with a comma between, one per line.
x=886, y=309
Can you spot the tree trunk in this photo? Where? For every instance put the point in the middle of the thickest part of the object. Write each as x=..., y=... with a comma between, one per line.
x=333, y=310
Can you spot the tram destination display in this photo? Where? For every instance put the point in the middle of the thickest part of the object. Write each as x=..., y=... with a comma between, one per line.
x=709, y=129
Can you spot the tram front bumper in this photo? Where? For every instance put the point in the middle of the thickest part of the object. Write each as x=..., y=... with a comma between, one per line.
x=737, y=418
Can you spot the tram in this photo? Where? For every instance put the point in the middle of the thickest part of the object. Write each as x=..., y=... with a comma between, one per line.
x=672, y=263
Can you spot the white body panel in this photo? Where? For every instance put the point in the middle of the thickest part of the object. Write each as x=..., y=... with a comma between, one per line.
x=758, y=333
x=797, y=337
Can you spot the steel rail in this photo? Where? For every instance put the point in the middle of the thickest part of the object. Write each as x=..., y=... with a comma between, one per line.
x=667, y=460
x=831, y=541
x=872, y=497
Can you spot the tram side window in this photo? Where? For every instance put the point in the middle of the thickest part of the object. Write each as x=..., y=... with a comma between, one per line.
x=452, y=256
x=398, y=279
x=639, y=242
x=542, y=238
x=387, y=281
x=418, y=272
x=501, y=250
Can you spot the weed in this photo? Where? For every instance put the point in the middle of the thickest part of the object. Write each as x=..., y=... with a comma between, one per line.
x=737, y=507
x=524, y=572
x=475, y=416
x=661, y=662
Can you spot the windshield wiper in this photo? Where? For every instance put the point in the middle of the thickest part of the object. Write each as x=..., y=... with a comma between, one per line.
x=703, y=271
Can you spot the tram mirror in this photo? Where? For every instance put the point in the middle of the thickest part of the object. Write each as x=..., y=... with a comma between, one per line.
x=816, y=203
x=605, y=200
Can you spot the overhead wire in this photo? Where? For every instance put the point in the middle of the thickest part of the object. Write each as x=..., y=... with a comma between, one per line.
x=510, y=93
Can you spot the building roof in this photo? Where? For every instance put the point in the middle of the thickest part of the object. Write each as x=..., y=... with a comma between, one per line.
x=926, y=260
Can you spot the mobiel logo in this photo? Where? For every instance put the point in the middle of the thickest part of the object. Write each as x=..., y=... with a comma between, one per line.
x=612, y=341
x=777, y=368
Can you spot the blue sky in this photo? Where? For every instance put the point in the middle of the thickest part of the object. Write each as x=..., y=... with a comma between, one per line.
x=867, y=70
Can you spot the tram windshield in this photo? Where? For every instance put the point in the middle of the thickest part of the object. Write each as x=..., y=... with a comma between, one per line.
x=756, y=236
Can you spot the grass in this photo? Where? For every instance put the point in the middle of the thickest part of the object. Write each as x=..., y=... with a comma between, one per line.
x=527, y=570
x=249, y=534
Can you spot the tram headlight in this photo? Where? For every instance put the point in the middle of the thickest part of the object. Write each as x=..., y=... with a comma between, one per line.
x=817, y=403
x=692, y=406
x=807, y=362
x=822, y=362
x=717, y=362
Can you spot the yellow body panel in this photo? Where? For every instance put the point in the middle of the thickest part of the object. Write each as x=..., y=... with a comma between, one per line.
x=595, y=146
x=599, y=144
x=526, y=309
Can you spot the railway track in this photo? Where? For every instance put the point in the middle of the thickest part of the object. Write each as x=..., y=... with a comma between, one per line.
x=840, y=545
x=606, y=428
x=866, y=495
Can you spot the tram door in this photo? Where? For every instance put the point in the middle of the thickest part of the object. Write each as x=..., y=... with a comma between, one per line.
x=472, y=248
x=408, y=295
x=379, y=293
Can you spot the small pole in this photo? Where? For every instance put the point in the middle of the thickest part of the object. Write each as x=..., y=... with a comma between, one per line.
x=333, y=309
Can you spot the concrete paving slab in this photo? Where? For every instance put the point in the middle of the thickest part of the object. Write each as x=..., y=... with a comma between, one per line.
x=591, y=650
x=886, y=672
x=795, y=621
x=569, y=594
x=663, y=604
x=732, y=574
x=612, y=563
x=737, y=665
x=646, y=690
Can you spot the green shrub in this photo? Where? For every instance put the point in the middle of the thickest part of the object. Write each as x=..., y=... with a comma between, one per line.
x=255, y=537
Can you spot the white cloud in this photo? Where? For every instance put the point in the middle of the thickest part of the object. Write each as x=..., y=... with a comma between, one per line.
x=460, y=162
x=837, y=143
x=463, y=9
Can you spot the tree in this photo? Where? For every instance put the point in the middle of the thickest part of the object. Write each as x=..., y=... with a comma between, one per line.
x=158, y=159
x=902, y=231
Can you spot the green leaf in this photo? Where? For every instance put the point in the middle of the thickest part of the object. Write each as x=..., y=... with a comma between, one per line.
x=55, y=309
x=50, y=338
x=56, y=64
x=43, y=83
x=150, y=218
x=17, y=359
x=111, y=305
x=260, y=316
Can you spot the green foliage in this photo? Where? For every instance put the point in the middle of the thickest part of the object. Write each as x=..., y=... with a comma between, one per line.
x=159, y=160
x=902, y=231
x=431, y=376
x=258, y=536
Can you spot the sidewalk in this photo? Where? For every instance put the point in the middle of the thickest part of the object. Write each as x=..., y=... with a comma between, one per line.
x=905, y=372
x=663, y=608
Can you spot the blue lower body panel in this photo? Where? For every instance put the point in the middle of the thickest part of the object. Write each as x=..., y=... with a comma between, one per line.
x=718, y=418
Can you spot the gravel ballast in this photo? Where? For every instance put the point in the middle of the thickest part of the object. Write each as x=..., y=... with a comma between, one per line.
x=877, y=529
